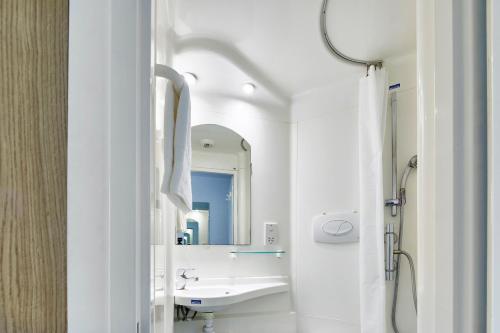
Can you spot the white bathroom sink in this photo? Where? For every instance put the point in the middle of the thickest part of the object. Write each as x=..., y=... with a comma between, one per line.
x=214, y=295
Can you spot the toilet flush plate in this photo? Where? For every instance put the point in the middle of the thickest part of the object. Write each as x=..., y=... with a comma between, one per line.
x=336, y=227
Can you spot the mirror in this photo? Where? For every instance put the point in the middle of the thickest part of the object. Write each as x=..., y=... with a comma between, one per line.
x=221, y=182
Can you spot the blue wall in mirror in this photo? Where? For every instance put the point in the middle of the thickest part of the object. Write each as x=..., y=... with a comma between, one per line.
x=216, y=189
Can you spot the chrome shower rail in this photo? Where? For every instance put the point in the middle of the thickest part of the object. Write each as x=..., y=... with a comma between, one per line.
x=334, y=50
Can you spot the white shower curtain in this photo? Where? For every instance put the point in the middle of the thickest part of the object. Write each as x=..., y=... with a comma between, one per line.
x=372, y=111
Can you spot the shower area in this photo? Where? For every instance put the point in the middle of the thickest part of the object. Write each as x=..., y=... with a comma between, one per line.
x=296, y=81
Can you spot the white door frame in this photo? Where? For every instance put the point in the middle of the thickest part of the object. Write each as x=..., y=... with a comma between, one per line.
x=493, y=166
x=108, y=165
x=451, y=53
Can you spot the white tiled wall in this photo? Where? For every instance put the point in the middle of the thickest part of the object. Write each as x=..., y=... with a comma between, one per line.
x=325, y=276
x=269, y=138
x=269, y=323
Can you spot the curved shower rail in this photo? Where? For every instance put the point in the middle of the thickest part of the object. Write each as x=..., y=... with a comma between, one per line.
x=332, y=47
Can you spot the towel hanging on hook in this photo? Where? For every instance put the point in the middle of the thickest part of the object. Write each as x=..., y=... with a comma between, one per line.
x=176, y=182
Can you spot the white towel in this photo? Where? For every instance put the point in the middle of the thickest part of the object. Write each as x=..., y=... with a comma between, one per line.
x=177, y=142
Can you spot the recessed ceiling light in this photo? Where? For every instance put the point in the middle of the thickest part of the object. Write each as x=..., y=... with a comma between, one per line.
x=190, y=78
x=248, y=88
x=207, y=143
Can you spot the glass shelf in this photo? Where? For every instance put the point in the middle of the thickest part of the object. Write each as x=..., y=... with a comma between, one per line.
x=277, y=253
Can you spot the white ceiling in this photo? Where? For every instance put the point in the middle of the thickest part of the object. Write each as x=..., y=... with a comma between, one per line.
x=277, y=43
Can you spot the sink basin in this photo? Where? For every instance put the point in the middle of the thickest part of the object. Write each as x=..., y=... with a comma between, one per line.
x=213, y=295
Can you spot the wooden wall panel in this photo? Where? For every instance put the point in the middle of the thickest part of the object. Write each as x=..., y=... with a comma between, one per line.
x=33, y=142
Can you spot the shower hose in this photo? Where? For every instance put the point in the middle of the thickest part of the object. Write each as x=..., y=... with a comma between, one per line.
x=399, y=252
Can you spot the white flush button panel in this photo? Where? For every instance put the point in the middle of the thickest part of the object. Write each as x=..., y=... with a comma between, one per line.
x=272, y=233
x=336, y=227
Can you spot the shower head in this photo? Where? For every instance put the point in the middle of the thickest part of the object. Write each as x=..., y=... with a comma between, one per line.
x=412, y=163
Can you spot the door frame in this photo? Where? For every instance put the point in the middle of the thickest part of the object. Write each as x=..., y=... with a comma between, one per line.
x=452, y=173
x=109, y=121
x=493, y=167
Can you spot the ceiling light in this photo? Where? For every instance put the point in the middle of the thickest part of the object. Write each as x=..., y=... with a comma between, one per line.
x=207, y=143
x=190, y=78
x=248, y=88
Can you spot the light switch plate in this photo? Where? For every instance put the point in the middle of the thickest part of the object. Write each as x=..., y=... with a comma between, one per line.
x=271, y=233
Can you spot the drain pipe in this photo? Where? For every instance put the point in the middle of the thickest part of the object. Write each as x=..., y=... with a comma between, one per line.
x=208, y=327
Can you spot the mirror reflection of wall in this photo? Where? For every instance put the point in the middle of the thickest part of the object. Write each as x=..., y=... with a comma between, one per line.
x=221, y=182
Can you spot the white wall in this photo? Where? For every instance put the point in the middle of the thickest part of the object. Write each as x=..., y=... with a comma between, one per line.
x=213, y=160
x=261, y=323
x=326, y=159
x=267, y=129
x=326, y=292
x=269, y=137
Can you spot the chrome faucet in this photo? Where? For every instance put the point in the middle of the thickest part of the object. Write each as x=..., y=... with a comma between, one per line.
x=182, y=278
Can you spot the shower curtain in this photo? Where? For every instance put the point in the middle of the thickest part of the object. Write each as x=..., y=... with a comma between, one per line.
x=372, y=112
